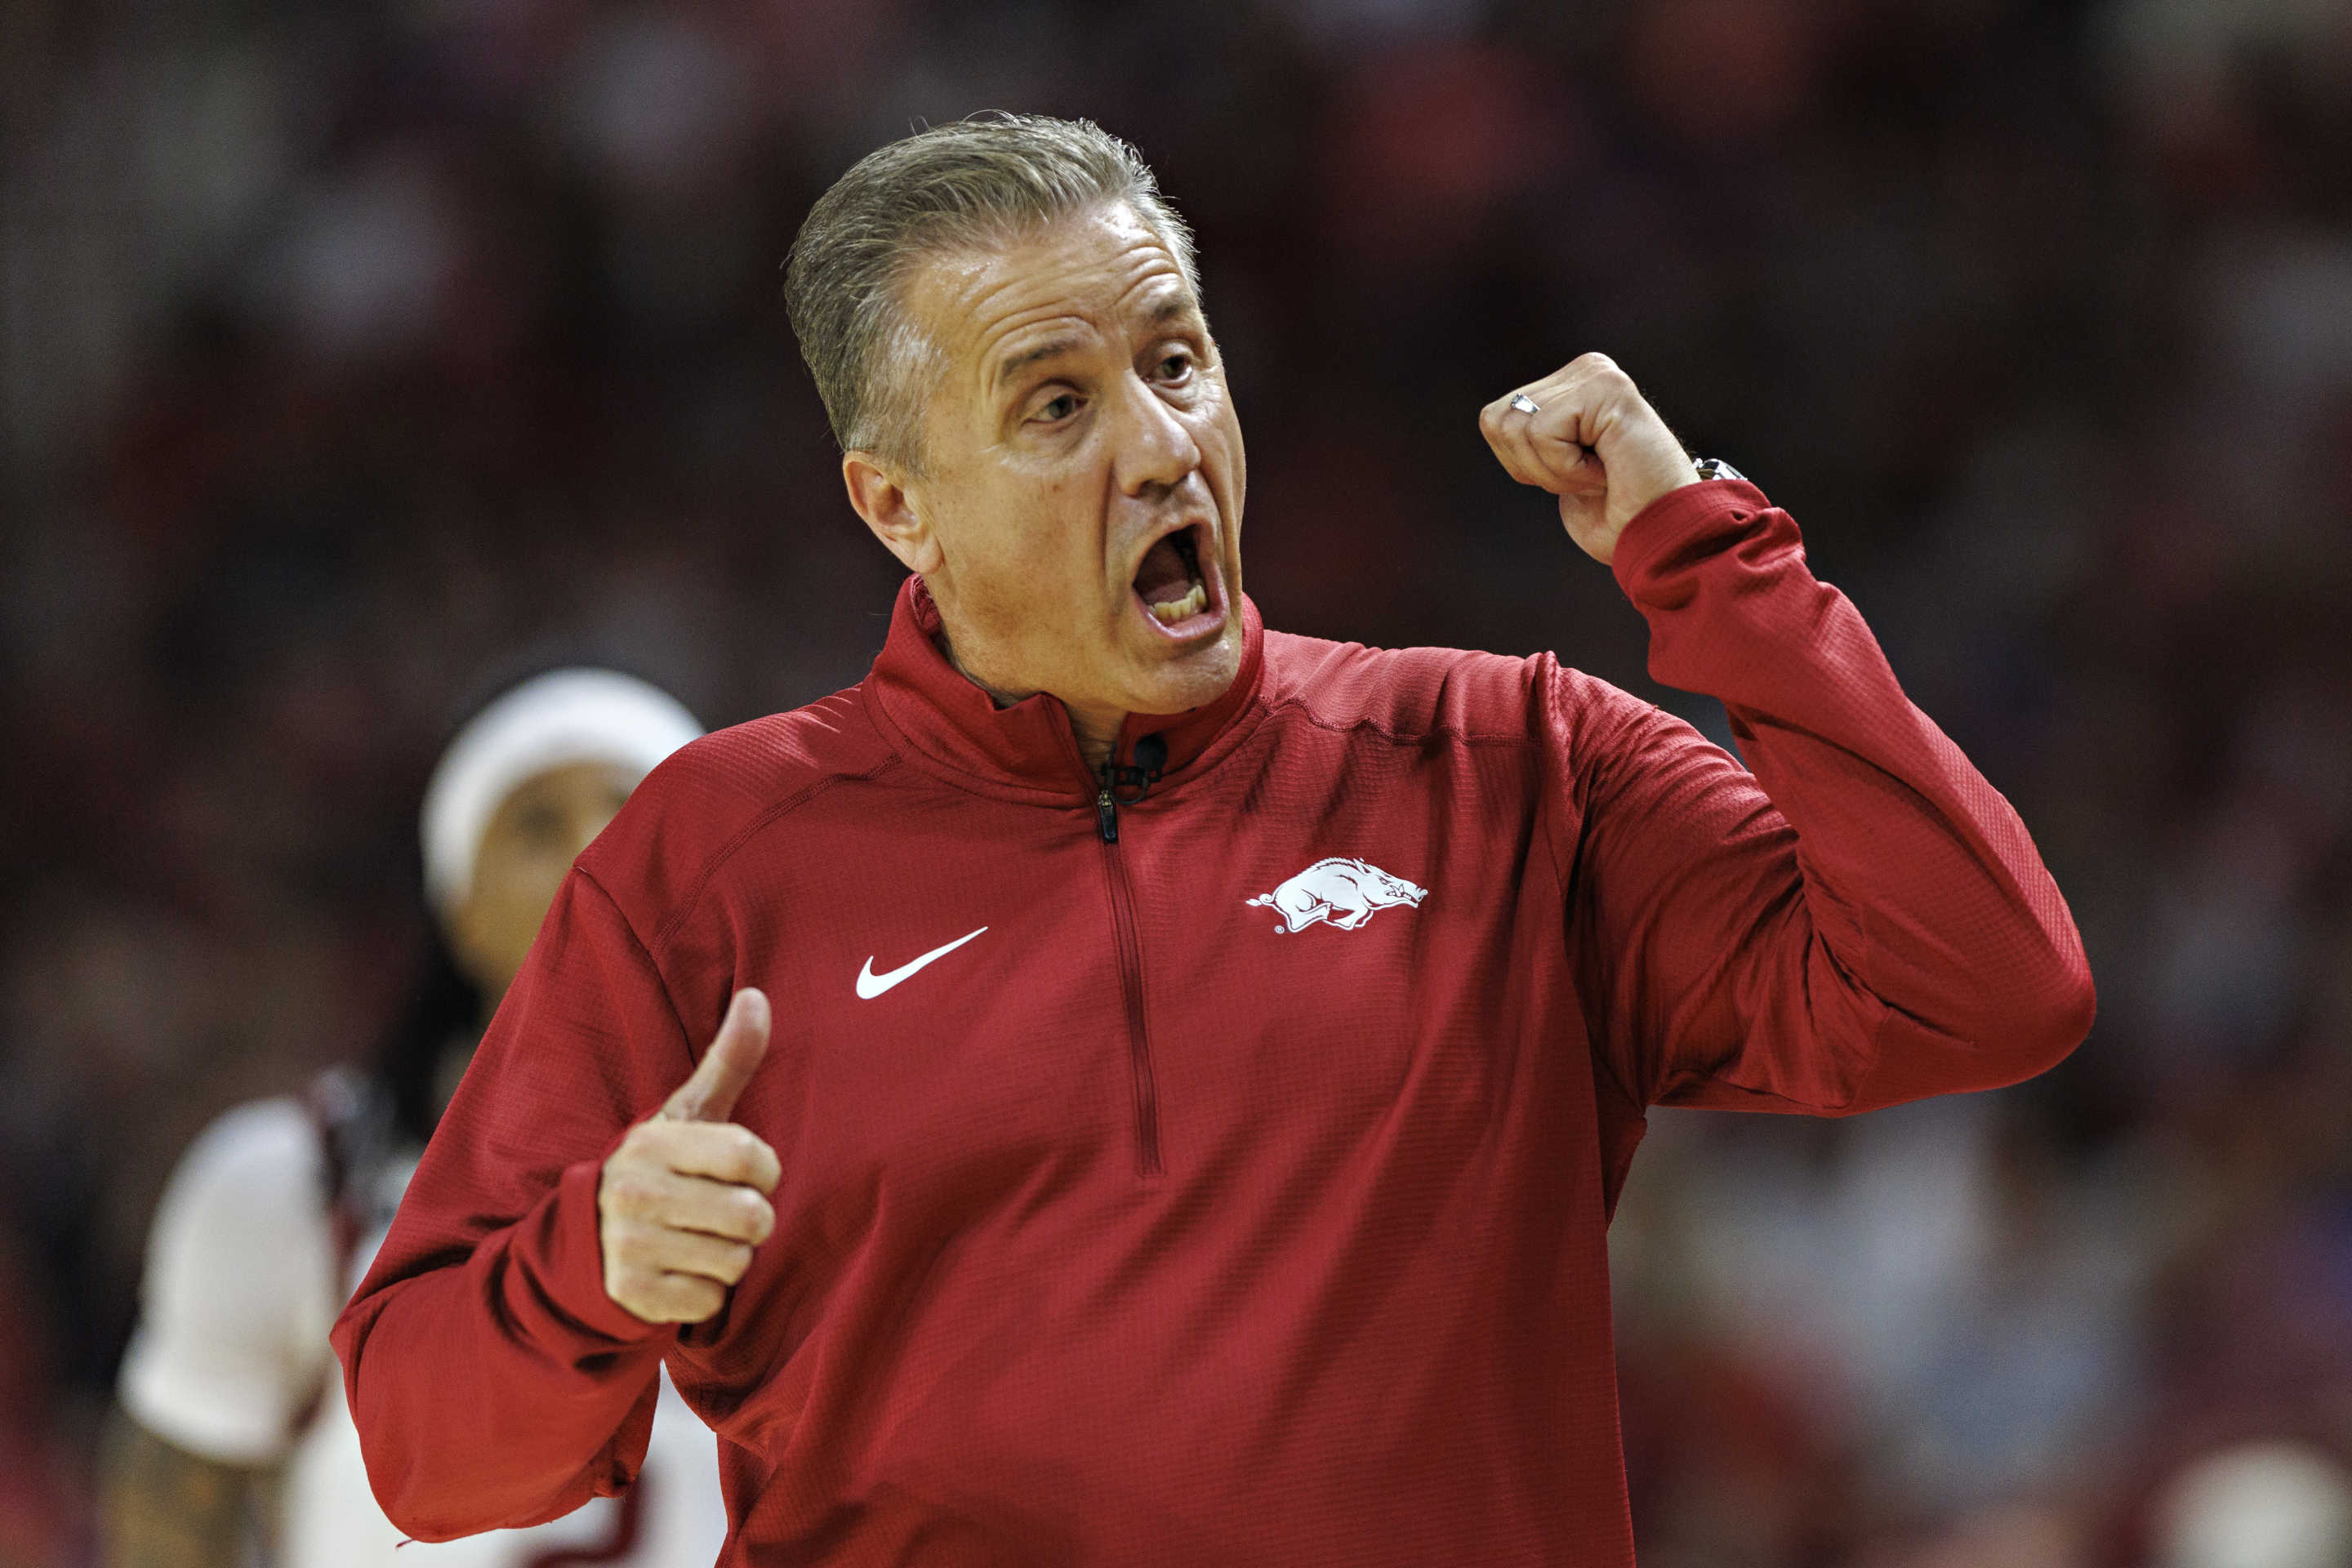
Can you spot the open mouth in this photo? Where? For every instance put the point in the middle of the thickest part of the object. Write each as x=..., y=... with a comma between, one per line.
x=1173, y=583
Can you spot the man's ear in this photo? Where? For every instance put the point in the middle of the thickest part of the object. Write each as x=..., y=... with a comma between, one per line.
x=881, y=499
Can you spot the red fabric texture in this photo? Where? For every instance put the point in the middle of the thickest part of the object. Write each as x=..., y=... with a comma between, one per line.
x=1140, y=1228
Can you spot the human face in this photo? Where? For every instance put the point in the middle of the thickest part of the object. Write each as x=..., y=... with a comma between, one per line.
x=1081, y=462
x=530, y=843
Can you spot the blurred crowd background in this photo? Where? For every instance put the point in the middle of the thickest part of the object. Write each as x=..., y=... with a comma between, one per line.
x=358, y=358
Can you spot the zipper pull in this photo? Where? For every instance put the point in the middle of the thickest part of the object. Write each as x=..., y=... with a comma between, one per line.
x=1107, y=816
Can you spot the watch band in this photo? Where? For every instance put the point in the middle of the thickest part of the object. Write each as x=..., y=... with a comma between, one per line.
x=1717, y=469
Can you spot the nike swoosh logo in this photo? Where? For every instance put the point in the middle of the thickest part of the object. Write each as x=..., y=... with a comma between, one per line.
x=870, y=984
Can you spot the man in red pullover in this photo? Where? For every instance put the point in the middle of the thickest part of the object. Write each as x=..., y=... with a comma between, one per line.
x=1203, y=1061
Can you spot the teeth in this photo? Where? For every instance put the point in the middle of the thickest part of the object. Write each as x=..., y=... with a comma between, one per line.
x=1176, y=610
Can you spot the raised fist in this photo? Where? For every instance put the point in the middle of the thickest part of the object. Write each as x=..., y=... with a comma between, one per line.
x=1593, y=441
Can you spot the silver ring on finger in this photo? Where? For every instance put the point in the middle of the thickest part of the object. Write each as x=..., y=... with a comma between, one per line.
x=1524, y=404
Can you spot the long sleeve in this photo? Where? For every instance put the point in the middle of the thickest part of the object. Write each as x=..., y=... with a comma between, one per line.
x=492, y=1381
x=1862, y=921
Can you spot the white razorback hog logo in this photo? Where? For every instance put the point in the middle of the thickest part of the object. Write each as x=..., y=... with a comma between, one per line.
x=1343, y=891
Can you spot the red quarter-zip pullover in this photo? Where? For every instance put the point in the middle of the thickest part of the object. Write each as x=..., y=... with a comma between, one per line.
x=1224, y=1182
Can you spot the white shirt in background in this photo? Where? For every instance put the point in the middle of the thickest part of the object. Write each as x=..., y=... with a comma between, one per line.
x=230, y=1362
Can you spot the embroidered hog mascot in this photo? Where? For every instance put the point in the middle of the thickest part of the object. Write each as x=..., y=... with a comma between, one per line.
x=1341, y=890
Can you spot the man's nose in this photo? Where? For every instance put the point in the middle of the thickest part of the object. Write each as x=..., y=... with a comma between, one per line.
x=1154, y=449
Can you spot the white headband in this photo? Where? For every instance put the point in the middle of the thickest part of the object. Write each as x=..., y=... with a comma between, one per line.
x=564, y=716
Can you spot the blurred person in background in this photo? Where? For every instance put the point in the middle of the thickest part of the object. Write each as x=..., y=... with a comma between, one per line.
x=1207, y=1058
x=232, y=1438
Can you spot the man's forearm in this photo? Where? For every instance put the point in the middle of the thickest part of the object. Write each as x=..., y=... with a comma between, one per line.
x=1920, y=883
x=160, y=1506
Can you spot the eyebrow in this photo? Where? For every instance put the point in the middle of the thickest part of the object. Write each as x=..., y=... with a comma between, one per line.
x=1175, y=306
x=1007, y=369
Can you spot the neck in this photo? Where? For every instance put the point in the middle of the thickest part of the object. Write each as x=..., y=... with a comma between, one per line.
x=1097, y=734
x=1096, y=728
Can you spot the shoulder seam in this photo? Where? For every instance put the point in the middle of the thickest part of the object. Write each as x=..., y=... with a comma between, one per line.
x=1562, y=875
x=646, y=952
x=725, y=852
x=1396, y=738
x=1564, y=881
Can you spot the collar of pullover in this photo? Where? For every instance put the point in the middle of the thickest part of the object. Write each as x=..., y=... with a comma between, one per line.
x=946, y=724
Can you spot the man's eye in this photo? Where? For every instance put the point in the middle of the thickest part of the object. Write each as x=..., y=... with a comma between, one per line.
x=1175, y=367
x=1059, y=409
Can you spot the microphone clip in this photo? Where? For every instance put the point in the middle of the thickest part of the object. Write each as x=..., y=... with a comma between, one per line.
x=1150, y=756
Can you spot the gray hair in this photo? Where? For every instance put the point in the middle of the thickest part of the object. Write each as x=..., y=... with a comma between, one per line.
x=978, y=181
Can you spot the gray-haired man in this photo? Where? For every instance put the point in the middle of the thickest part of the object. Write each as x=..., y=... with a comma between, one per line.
x=1068, y=1208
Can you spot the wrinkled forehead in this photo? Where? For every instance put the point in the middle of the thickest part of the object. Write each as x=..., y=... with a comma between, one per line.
x=1096, y=274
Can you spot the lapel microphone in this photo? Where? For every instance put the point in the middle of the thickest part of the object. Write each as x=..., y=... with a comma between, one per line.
x=1150, y=756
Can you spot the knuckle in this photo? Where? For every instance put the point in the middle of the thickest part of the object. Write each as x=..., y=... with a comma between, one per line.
x=630, y=1290
x=633, y=1244
x=626, y=1190
x=745, y=1148
x=612, y=1196
x=698, y=1300
x=635, y=1155
x=749, y=1216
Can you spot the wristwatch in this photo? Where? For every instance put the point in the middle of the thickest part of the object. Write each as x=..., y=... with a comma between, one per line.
x=1717, y=469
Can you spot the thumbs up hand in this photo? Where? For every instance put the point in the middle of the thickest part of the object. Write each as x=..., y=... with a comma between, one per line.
x=683, y=1200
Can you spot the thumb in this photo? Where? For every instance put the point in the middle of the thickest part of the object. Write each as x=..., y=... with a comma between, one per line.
x=718, y=1078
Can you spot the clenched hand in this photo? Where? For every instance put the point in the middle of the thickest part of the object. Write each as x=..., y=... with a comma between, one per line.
x=1594, y=442
x=683, y=1200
